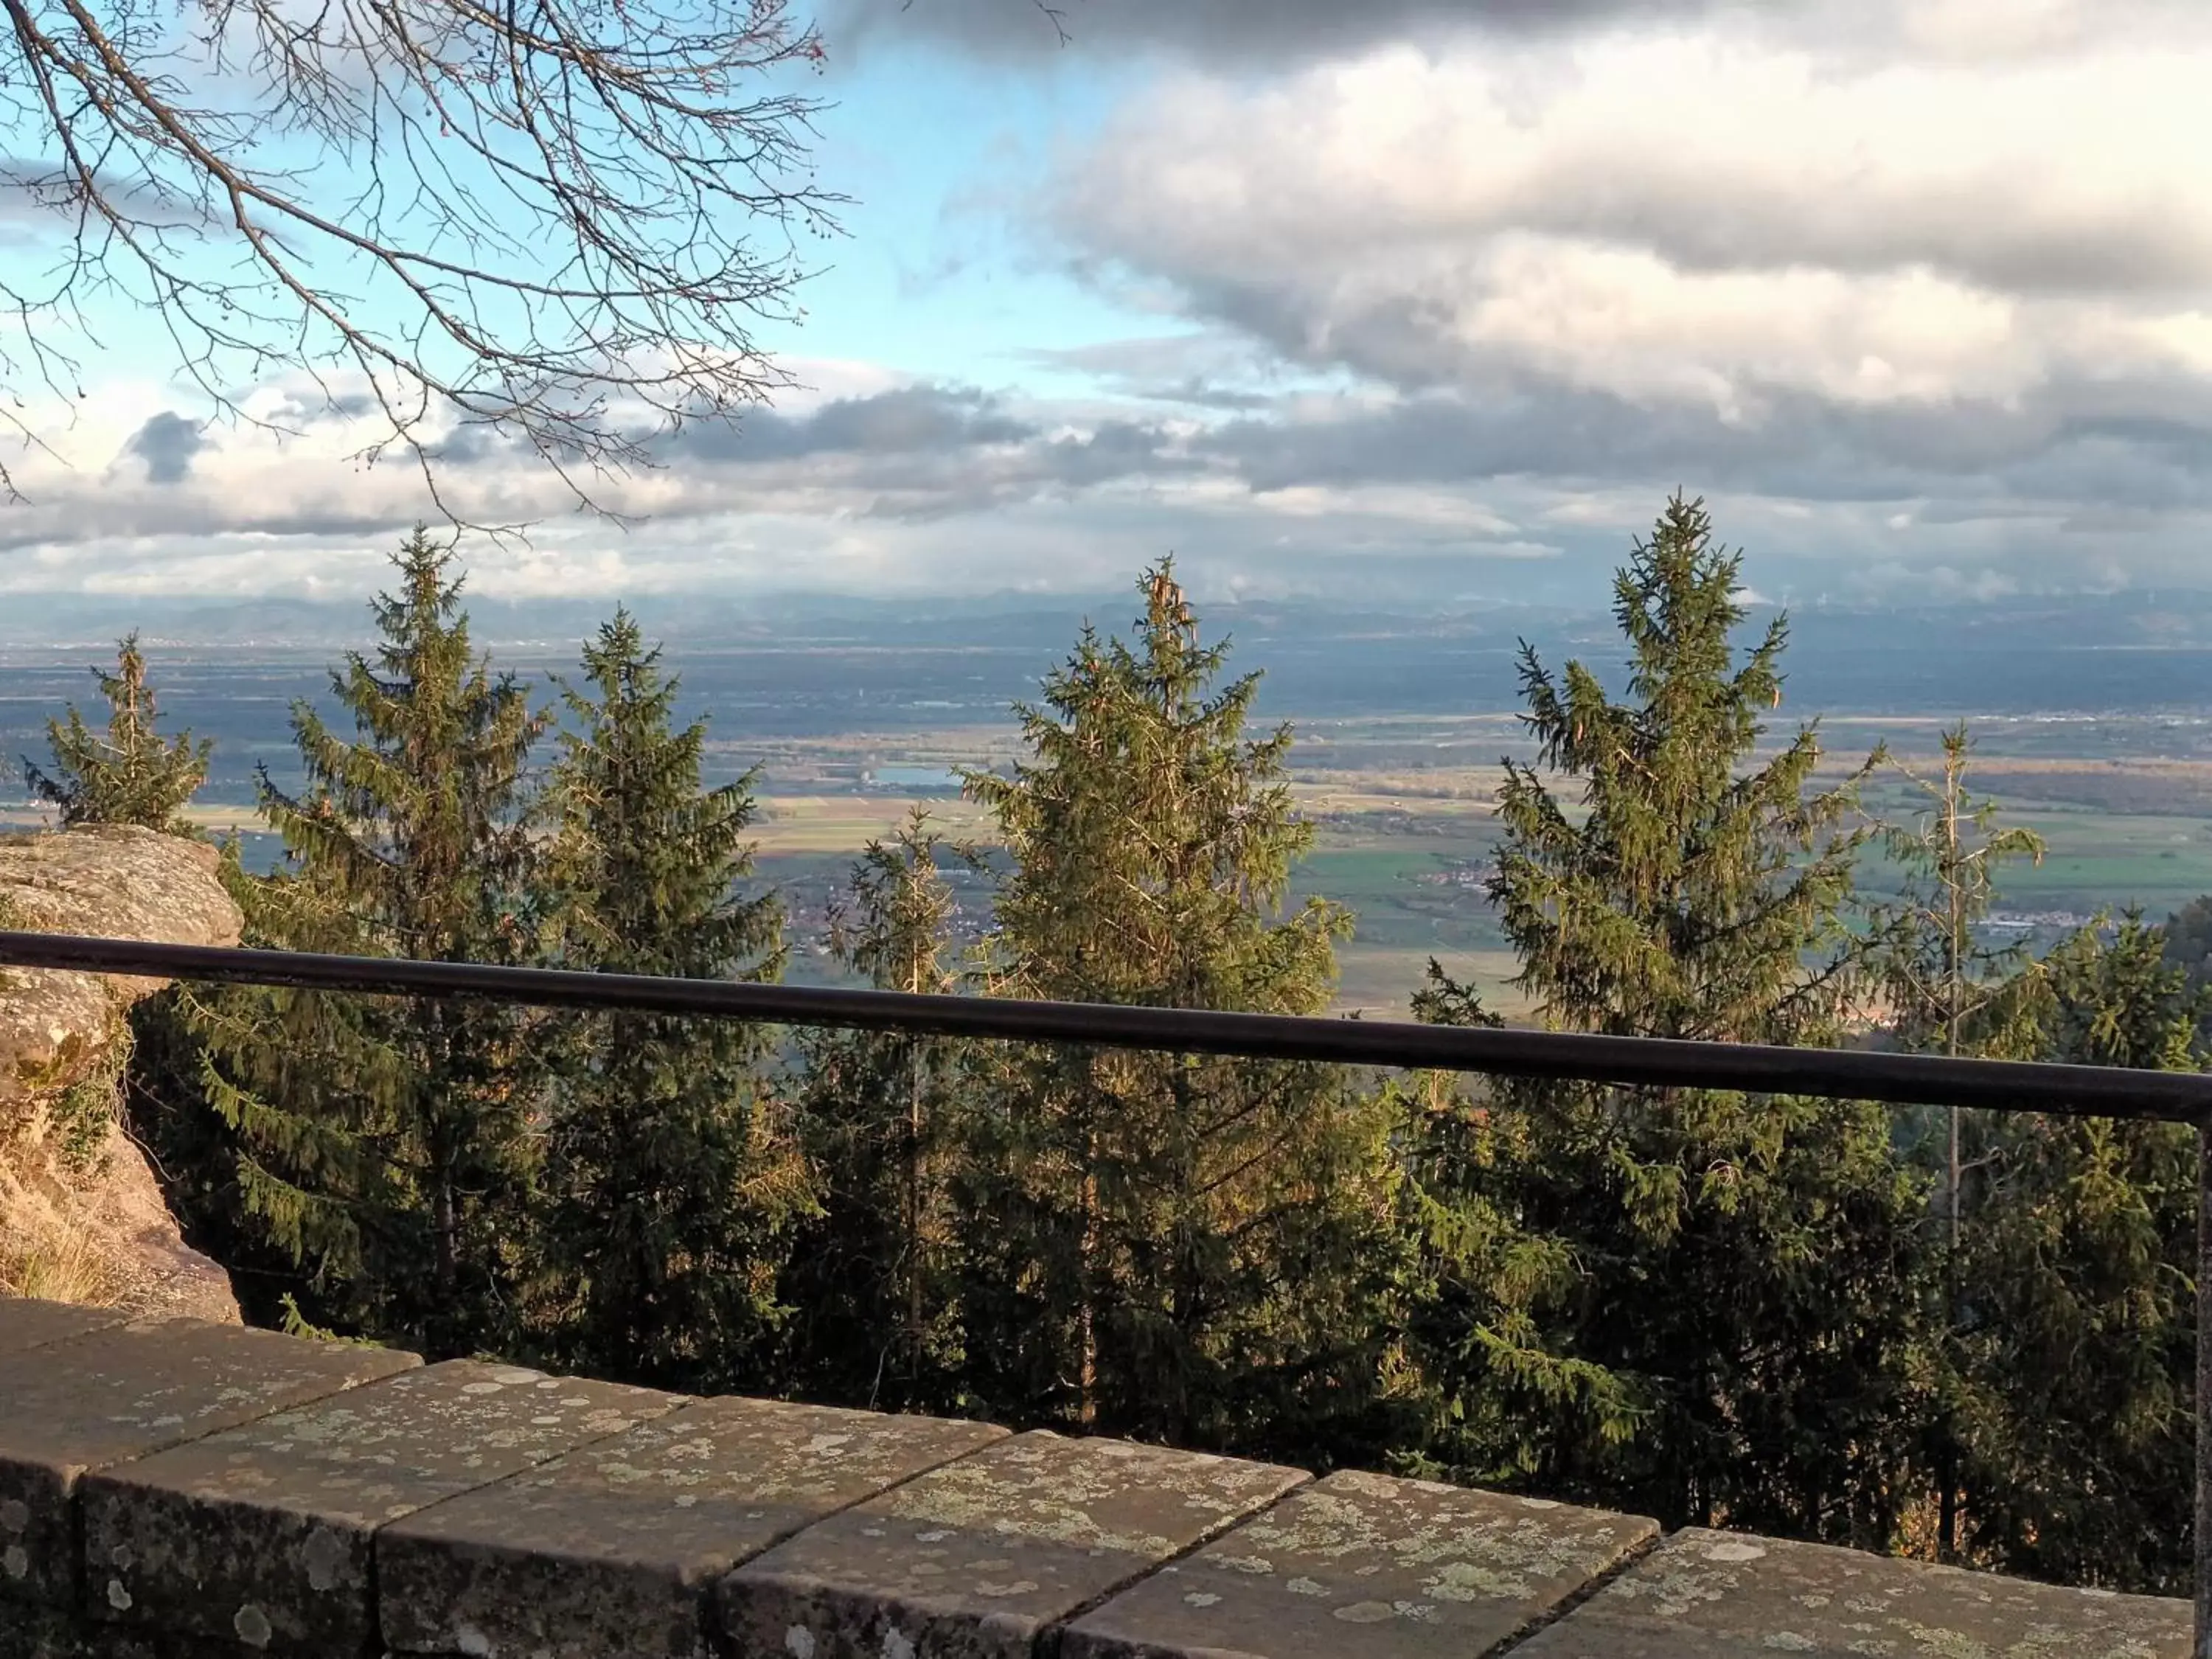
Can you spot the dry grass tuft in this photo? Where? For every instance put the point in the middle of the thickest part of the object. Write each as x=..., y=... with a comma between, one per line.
x=57, y=1264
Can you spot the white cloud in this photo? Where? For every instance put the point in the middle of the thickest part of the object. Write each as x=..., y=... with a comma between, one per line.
x=1950, y=261
x=1911, y=288
x=1747, y=203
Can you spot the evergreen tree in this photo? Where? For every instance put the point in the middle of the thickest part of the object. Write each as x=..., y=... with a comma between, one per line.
x=2189, y=947
x=1483, y=1298
x=1168, y=1245
x=1936, y=974
x=129, y=774
x=671, y=1182
x=1946, y=990
x=875, y=1278
x=1746, y=1264
x=384, y=1144
x=2075, y=1361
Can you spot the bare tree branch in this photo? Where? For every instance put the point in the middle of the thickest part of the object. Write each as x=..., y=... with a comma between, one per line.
x=541, y=218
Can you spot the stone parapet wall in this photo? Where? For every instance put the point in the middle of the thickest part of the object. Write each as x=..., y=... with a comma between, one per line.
x=177, y=1489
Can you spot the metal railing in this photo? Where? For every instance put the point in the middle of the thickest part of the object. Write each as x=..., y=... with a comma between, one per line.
x=1850, y=1074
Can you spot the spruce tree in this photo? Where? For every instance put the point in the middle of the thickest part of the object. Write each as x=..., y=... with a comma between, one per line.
x=1167, y=1245
x=1944, y=990
x=875, y=1281
x=129, y=773
x=1483, y=1299
x=671, y=1182
x=1746, y=1264
x=1938, y=976
x=2074, y=1358
x=384, y=1143
x=2189, y=947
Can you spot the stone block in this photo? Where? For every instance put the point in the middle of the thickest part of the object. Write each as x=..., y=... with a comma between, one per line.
x=126, y=1392
x=611, y=1552
x=29, y=1632
x=48, y=1633
x=975, y=1559
x=26, y=1322
x=262, y=1533
x=1361, y=1566
x=1720, y=1596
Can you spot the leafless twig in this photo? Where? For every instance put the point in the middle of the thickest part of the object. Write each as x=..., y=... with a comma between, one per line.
x=554, y=222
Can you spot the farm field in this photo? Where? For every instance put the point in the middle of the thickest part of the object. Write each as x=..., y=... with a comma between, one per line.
x=843, y=742
x=1410, y=867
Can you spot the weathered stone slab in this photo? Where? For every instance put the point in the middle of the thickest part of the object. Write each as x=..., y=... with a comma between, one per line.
x=48, y=1634
x=26, y=1322
x=973, y=1560
x=125, y=1393
x=29, y=1632
x=612, y=1550
x=1719, y=1596
x=1361, y=1566
x=263, y=1533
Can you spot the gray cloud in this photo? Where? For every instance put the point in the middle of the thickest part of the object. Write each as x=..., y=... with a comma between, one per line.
x=910, y=455
x=915, y=453
x=1274, y=34
x=1529, y=478
x=55, y=520
x=2071, y=448
x=36, y=191
x=166, y=444
x=1247, y=31
x=1215, y=370
x=906, y=421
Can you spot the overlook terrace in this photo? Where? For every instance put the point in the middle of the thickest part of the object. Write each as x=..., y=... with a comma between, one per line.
x=177, y=1489
x=1703, y=1588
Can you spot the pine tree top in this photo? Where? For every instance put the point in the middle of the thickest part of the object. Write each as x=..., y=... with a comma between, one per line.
x=647, y=861
x=1697, y=891
x=414, y=825
x=1152, y=839
x=128, y=773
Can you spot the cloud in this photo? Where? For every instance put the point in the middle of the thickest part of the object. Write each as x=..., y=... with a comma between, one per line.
x=1213, y=369
x=1420, y=297
x=2053, y=449
x=1436, y=184
x=1268, y=31
x=911, y=420
x=166, y=444
x=905, y=454
x=1529, y=485
x=1798, y=271
x=1243, y=34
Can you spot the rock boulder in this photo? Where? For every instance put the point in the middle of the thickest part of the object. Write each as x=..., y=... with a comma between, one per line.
x=82, y=1218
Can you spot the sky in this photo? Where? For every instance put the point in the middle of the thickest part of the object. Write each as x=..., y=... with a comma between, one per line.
x=1424, y=302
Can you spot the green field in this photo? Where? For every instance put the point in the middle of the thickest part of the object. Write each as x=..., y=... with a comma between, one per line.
x=1402, y=808
x=1403, y=916
x=2100, y=860
x=1391, y=855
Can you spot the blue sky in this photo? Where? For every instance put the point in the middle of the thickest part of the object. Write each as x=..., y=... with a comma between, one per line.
x=932, y=277
x=1429, y=301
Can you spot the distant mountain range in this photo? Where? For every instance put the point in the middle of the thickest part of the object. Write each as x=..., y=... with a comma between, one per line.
x=2135, y=652
x=2137, y=619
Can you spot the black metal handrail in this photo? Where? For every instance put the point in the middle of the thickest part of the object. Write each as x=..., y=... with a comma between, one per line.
x=1921, y=1080
x=1653, y=1062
